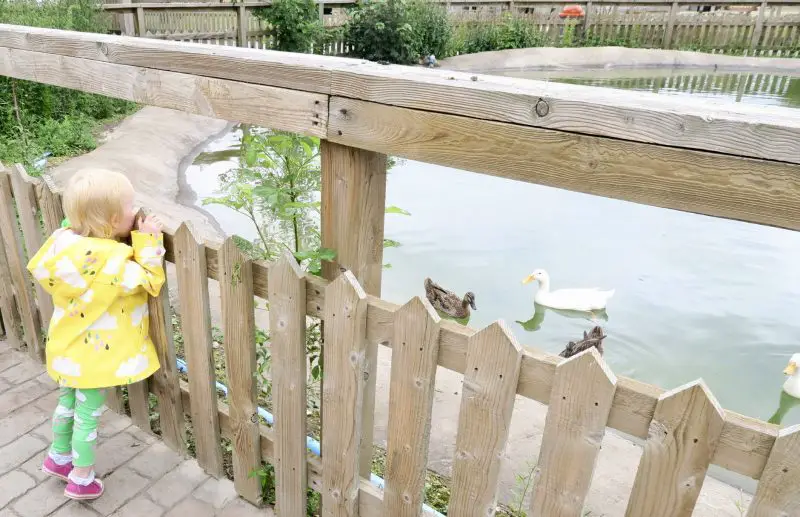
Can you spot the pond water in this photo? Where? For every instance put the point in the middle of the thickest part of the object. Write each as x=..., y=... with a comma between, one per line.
x=748, y=88
x=695, y=296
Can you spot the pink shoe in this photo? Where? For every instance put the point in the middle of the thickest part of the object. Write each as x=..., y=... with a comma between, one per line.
x=84, y=493
x=51, y=468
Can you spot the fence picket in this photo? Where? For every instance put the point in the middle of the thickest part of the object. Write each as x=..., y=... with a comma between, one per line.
x=28, y=213
x=166, y=381
x=777, y=494
x=50, y=207
x=487, y=401
x=287, y=323
x=12, y=323
x=236, y=287
x=191, y=269
x=344, y=357
x=139, y=404
x=683, y=436
x=412, y=387
x=20, y=278
x=583, y=390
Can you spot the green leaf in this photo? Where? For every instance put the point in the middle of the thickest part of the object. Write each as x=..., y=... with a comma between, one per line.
x=396, y=210
x=389, y=243
x=327, y=254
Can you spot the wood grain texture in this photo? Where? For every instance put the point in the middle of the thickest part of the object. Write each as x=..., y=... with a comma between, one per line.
x=20, y=278
x=745, y=443
x=277, y=108
x=345, y=359
x=238, y=321
x=777, y=494
x=755, y=131
x=50, y=207
x=287, y=325
x=352, y=221
x=139, y=403
x=580, y=401
x=487, y=402
x=683, y=435
x=12, y=322
x=28, y=215
x=191, y=270
x=411, y=391
x=690, y=181
x=170, y=409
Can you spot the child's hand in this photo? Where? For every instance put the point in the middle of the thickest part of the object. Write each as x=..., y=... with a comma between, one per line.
x=150, y=224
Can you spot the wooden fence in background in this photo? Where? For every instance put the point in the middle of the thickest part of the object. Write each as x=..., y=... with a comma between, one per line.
x=738, y=162
x=768, y=29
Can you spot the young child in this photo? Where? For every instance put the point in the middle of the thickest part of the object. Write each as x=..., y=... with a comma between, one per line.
x=98, y=336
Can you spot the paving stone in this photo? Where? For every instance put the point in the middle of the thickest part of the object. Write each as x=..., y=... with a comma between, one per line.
x=216, y=492
x=33, y=467
x=49, y=402
x=120, y=487
x=155, y=461
x=45, y=430
x=48, y=381
x=6, y=512
x=10, y=358
x=75, y=509
x=141, y=435
x=115, y=451
x=140, y=507
x=14, y=484
x=21, y=422
x=241, y=508
x=3, y=387
x=193, y=507
x=177, y=484
x=42, y=500
x=24, y=371
x=112, y=424
x=21, y=395
x=19, y=451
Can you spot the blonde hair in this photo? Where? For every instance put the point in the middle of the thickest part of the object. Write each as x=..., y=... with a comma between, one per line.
x=93, y=201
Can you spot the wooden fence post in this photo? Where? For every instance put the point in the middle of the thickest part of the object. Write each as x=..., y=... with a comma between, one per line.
x=487, y=401
x=415, y=352
x=683, y=436
x=20, y=277
x=238, y=321
x=670, y=27
x=12, y=323
x=141, y=30
x=242, y=27
x=580, y=401
x=759, y=28
x=287, y=326
x=777, y=492
x=353, y=206
x=192, y=272
x=345, y=372
x=28, y=211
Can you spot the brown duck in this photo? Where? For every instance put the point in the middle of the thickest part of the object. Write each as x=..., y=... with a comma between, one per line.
x=449, y=302
x=594, y=338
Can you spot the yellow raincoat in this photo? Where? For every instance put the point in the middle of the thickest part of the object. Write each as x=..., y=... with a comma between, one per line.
x=99, y=333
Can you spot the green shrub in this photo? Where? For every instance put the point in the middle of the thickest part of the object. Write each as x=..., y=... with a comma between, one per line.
x=509, y=33
x=381, y=31
x=432, y=28
x=294, y=24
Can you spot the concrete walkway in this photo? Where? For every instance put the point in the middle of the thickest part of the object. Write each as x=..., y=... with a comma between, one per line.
x=142, y=476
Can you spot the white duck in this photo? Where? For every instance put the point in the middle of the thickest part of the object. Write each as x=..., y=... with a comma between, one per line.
x=585, y=300
x=790, y=395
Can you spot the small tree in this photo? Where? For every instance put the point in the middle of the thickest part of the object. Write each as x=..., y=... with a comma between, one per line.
x=380, y=31
x=294, y=24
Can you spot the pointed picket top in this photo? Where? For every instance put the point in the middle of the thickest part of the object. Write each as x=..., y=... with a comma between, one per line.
x=346, y=282
x=777, y=492
x=420, y=307
x=494, y=358
x=683, y=436
x=287, y=264
x=580, y=402
x=186, y=233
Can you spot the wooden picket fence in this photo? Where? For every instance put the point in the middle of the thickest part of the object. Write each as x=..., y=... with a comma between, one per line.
x=685, y=429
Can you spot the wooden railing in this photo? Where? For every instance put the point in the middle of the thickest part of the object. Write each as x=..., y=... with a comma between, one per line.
x=640, y=23
x=737, y=162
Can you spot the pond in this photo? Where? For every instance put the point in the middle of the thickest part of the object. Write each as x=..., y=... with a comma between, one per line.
x=695, y=296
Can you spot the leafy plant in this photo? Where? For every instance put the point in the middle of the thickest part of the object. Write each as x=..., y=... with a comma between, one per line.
x=381, y=31
x=294, y=24
x=266, y=477
x=431, y=26
x=510, y=32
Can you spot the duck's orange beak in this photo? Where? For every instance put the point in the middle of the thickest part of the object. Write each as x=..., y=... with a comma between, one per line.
x=529, y=278
x=791, y=369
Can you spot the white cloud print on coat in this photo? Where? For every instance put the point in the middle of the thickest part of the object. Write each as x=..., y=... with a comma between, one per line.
x=113, y=265
x=105, y=322
x=138, y=314
x=132, y=276
x=66, y=366
x=68, y=273
x=133, y=366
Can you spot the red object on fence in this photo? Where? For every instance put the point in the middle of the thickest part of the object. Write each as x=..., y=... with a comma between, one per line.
x=572, y=11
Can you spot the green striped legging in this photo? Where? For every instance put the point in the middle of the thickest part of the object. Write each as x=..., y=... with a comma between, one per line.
x=75, y=423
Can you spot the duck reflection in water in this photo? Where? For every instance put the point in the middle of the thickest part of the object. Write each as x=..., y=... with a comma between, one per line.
x=535, y=322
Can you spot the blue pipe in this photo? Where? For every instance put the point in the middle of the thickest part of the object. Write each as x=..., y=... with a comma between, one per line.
x=312, y=444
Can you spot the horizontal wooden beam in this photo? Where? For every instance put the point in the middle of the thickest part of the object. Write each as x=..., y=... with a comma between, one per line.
x=517, y=3
x=771, y=133
x=289, y=110
x=691, y=181
x=745, y=443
